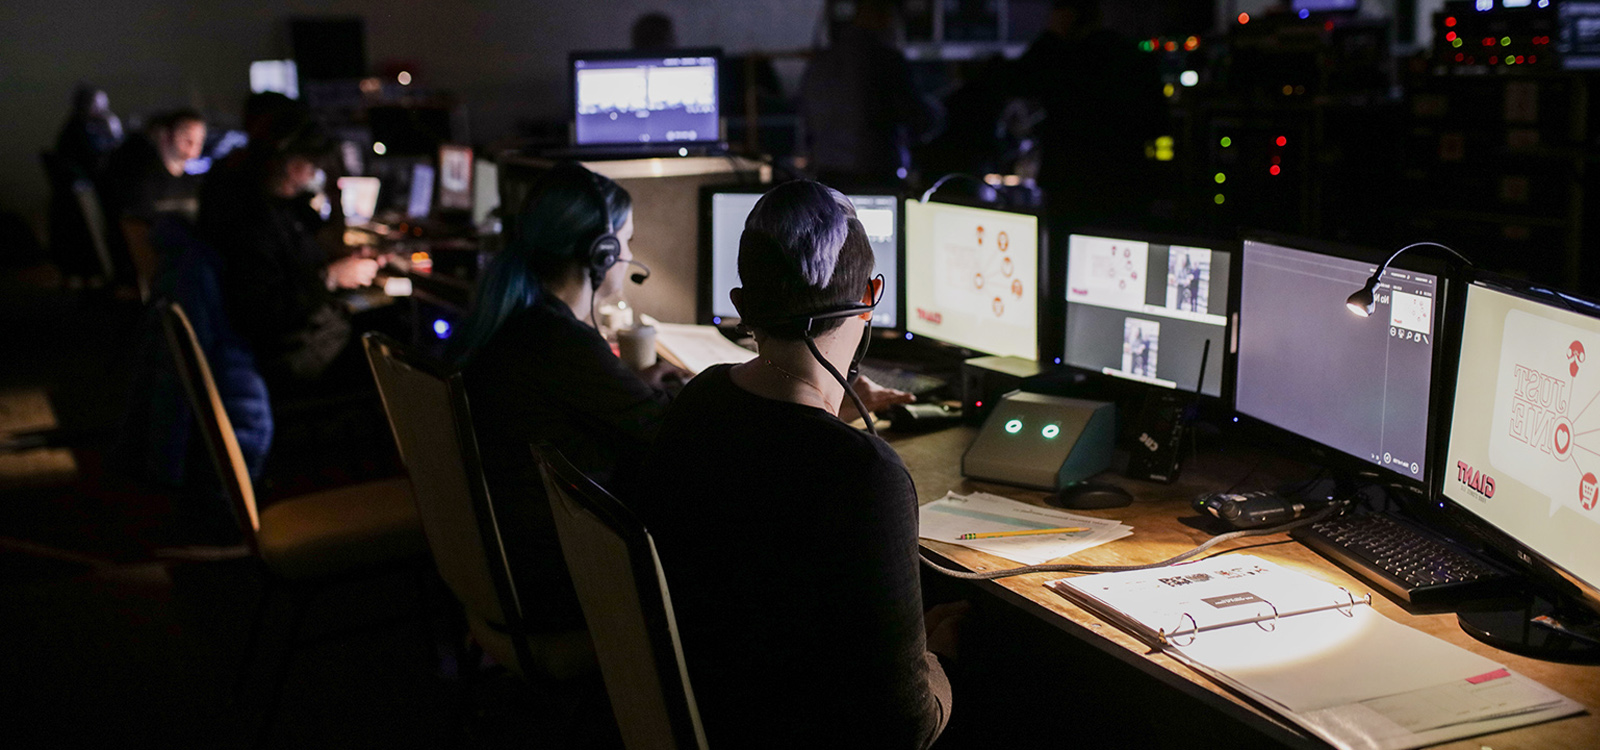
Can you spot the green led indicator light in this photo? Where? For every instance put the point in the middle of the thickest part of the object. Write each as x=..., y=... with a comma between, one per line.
x=1220, y=178
x=1050, y=431
x=1505, y=41
x=1226, y=141
x=1456, y=42
x=1219, y=199
x=1014, y=426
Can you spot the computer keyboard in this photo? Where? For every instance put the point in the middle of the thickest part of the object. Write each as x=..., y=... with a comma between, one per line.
x=1405, y=560
x=902, y=380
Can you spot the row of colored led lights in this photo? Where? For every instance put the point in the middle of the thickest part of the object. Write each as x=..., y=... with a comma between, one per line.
x=1156, y=44
x=1275, y=169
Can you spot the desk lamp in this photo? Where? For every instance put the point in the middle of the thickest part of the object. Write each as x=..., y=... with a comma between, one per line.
x=1361, y=303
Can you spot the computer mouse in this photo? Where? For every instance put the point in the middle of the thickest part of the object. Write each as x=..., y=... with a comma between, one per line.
x=1090, y=496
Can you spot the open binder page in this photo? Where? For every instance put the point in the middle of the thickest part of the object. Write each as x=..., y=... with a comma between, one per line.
x=699, y=347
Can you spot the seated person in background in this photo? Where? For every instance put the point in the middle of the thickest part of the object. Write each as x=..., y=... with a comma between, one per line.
x=537, y=370
x=92, y=131
x=789, y=538
x=147, y=183
x=278, y=280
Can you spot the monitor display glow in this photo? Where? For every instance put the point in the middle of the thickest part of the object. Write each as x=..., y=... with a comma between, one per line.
x=1145, y=311
x=420, y=202
x=455, y=177
x=879, y=216
x=972, y=277
x=1310, y=366
x=358, y=198
x=278, y=76
x=1524, y=445
x=645, y=99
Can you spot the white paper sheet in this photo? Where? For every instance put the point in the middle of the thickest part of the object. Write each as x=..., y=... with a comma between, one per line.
x=699, y=347
x=946, y=519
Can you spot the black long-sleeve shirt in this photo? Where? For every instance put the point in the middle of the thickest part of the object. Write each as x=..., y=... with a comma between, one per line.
x=789, y=542
x=546, y=376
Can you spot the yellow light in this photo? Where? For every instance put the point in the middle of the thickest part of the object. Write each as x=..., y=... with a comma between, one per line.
x=1169, y=89
x=1220, y=178
x=1287, y=89
x=379, y=149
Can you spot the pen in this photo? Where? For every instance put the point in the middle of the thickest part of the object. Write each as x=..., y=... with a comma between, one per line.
x=1024, y=532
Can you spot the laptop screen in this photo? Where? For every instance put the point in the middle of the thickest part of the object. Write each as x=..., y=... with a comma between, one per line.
x=640, y=98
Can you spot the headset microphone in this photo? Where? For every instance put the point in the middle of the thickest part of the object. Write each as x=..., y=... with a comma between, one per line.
x=642, y=274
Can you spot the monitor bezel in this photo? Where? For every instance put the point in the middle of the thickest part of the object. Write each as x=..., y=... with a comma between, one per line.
x=715, y=53
x=1452, y=513
x=1042, y=346
x=1324, y=454
x=1227, y=351
x=704, y=300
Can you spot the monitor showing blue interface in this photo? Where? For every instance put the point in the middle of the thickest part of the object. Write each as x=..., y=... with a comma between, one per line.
x=644, y=99
x=1308, y=365
x=972, y=277
x=1147, y=311
x=1523, y=451
x=879, y=216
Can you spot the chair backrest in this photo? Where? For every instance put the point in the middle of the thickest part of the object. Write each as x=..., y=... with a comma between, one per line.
x=194, y=372
x=627, y=606
x=428, y=412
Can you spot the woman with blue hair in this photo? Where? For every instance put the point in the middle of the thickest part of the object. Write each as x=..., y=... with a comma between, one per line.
x=537, y=370
x=789, y=538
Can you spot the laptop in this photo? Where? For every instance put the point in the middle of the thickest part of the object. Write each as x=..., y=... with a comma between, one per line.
x=630, y=104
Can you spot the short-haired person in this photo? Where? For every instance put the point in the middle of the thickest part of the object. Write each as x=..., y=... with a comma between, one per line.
x=789, y=538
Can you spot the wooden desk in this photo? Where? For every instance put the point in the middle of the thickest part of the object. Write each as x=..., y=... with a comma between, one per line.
x=1159, y=532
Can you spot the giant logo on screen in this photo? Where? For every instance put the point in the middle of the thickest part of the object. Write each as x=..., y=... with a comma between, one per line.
x=1546, y=430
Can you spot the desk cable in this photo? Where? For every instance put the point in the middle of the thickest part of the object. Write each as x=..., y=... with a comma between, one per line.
x=989, y=575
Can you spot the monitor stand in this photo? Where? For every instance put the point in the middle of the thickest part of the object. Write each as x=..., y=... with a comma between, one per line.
x=1573, y=636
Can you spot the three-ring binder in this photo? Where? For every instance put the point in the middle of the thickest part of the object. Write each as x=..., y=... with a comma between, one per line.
x=1194, y=628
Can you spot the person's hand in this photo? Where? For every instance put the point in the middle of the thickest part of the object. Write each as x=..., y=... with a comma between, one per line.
x=943, y=626
x=352, y=272
x=873, y=396
x=658, y=374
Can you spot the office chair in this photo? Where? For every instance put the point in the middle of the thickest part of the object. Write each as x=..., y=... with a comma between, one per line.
x=82, y=247
x=628, y=608
x=300, y=541
x=432, y=424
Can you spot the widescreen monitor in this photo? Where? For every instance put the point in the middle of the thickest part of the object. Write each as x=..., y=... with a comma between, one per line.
x=726, y=212
x=1148, y=311
x=1307, y=365
x=276, y=76
x=1523, y=447
x=972, y=277
x=634, y=98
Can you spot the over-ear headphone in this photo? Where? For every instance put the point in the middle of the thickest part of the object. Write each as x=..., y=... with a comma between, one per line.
x=606, y=248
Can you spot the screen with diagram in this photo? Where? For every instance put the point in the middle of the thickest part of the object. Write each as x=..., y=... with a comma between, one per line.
x=879, y=216
x=1310, y=366
x=645, y=100
x=1524, y=446
x=1147, y=311
x=972, y=277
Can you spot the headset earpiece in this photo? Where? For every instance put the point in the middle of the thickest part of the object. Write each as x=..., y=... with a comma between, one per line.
x=606, y=249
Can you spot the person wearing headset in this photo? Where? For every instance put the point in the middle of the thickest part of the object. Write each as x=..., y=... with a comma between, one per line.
x=788, y=538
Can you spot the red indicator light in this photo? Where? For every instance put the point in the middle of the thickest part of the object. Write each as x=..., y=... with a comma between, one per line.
x=1488, y=41
x=1244, y=18
x=1282, y=141
x=1450, y=36
x=1172, y=46
x=1494, y=60
x=1277, y=160
x=980, y=404
x=1533, y=59
x=1327, y=26
x=1275, y=169
x=1521, y=59
x=1450, y=21
x=1460, y=57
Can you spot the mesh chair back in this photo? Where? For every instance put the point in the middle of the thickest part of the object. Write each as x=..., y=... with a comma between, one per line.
x=628, y=608
x=200, y=388
x=428, y=412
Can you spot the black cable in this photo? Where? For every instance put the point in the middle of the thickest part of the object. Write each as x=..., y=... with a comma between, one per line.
x=990, y=575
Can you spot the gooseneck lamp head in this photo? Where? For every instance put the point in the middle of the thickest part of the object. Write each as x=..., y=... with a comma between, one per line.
x=1363, y=301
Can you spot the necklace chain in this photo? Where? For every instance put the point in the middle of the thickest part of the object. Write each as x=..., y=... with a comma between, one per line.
x=774, y=365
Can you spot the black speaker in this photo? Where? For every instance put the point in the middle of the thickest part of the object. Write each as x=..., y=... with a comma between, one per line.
x=1157, y=451
x=985, y=379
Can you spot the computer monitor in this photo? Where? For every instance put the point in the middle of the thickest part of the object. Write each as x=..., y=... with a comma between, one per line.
x=972, y=277
x=1521, y=455
x=1307, y=365
x=632, y=98
x=1148, y=311
x=358, y=198
x=420, y=203
x=723, y=213
x=485, y=190
x=455, y=177
x=277, y=76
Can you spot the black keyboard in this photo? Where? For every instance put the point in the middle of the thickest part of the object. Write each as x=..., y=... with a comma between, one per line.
x=903, y=380
x=1405, y=560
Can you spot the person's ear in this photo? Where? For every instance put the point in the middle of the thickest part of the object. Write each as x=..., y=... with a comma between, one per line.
x=874, y=291
x=736, y=295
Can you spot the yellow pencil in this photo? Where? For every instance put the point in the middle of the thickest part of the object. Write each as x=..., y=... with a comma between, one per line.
x=1024, y=532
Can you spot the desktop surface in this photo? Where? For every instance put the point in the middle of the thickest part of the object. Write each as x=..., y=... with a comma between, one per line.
x=972, y=277
x=1164, y=525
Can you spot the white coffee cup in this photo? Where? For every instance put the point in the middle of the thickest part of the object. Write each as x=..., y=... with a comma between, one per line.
x=637, y=346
